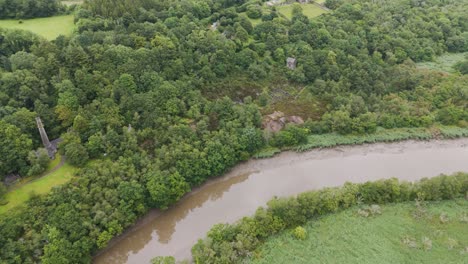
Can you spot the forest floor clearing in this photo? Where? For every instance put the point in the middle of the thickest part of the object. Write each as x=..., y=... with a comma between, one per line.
x=309, y=10
x=72, y=2
x=444, y=62
x=395, y=233
x=58, y=172
x=47, y=27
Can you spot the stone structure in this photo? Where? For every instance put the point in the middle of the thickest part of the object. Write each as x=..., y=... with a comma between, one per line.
x=51, y=148
x=214, y=26
x=291, y=63
x=277, y=121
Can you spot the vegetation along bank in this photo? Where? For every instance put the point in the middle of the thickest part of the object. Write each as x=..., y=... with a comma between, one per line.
x=162, y=95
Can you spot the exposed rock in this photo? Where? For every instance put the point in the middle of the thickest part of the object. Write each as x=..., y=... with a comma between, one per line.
x=11, y=179
x=277, y=121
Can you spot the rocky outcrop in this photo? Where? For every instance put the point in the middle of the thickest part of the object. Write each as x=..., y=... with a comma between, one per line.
x=277, y=121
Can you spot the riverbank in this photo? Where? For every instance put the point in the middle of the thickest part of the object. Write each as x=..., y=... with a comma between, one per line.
x=395, y=233
x=251, y=184
x=232, y=243
x=381, y=135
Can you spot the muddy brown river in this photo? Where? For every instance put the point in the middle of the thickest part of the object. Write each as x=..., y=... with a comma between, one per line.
x=252, y=184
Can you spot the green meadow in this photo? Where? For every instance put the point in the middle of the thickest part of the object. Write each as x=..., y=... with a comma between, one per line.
x=23, y=191
x=47, y=27
x=436, y=232
x=309, y=10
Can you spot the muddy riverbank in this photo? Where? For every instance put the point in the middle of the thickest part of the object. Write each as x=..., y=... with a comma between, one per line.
x=251, y=184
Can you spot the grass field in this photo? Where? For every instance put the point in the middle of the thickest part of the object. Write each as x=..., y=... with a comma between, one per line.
x=443, y=63
x=72, y=2
x=402, y=233
x=47, y=27
x=20, y=194
x=309, y=10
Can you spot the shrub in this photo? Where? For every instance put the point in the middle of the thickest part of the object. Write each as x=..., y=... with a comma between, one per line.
x=254, y=11
x=290, y=136
x=300, y=233
x=3, y=191
x=163, y=260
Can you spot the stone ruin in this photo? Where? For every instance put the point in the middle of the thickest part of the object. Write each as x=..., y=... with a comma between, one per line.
x=291, y=63
x=277, y=121
x=50, y=147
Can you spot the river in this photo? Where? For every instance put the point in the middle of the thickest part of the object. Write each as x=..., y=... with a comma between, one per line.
x=251, y=184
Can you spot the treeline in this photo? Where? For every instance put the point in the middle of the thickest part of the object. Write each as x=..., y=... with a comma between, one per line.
x=163, y=101
x=29, y=8
x=232, y=243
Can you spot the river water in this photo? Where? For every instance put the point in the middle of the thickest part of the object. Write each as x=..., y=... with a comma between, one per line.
x=252, y=184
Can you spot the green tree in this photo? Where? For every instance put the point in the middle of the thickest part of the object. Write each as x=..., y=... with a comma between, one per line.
x=38, y=160
x=76, y=154
x=165, y=188
x=15, y=148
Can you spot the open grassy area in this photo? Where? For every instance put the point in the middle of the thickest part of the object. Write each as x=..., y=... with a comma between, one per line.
x=309, y=10
x=443, y=63
x=72, y=2
x=47, y=27
x=402, y=233
x=20, y=194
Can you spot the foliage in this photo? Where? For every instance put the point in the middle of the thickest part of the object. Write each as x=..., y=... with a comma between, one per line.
x=29, y=8
x=393, y=236
x=167, y=101
x=39, y=161
x=289, y=212
x=163, y=260
x=3, y=191
x=462, y=66
x=383, y=135
x=300, y=233
x=290, y=136
x=14, y=147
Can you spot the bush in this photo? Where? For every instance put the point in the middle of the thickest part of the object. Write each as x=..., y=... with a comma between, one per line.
x=39, y=160
x=300, y=233
x=254, y=11
x=290, y=136
x=163, y=260
x=76, y=154
x=3, y=191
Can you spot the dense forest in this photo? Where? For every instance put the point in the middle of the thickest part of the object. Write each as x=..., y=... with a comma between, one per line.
x=161, y=100
x=29, y=8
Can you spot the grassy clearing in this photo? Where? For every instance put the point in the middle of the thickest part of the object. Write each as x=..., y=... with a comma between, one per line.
x=47, y=27
x=72, y=2
x=309, y=10
x=42, y=185
x=444, y=62
x=255, y=21
x=403, y=233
